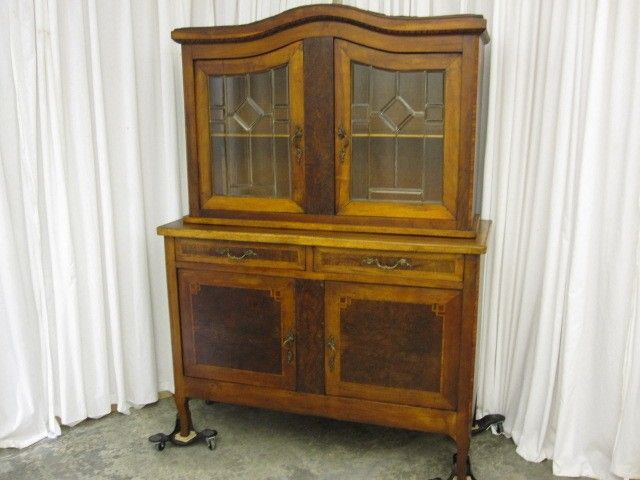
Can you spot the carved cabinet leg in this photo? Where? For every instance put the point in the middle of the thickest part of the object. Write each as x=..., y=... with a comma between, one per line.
x=184, y=414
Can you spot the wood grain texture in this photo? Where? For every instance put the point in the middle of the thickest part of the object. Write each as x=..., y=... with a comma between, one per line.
x=467, y=345
x=341, y=408
x=397, y=344
x=387, y=265
x=468, y=117
x=334, y=13
x=310, y=335
x=318, y=121
x=402, y=243
x=243, y=254
x=181, y=399
x=234, y=326
x=290, y=55
x=338, y=223
x=352, y=33
x=345, y=54
x=424, y=281
x=319, y=304
x=193, y=169
x=406, y=340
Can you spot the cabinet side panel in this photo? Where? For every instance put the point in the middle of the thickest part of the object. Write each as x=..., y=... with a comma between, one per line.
x=193, y=170
x=310, y=335
x=468, y=131
x=318, y=125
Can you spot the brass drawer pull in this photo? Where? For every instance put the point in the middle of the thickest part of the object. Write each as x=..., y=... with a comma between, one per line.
x=296, y=140
x=402, y=263
x=331, y=344
x=288, y=343
x=225, y=252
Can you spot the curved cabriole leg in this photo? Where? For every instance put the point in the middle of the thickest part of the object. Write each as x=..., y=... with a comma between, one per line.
x=184, y=414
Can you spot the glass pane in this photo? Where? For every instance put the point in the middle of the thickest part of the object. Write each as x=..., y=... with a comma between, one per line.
x=397, y=128
x=249, y=127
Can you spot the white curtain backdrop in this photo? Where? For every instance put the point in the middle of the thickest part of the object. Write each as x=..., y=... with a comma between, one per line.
x=92, y=159
x=560, y=332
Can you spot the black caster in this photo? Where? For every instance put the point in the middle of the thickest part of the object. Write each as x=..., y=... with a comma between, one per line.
x=209, y=436
x=485, y=422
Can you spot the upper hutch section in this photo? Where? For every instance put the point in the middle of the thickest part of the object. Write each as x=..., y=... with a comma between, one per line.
x=327, y=117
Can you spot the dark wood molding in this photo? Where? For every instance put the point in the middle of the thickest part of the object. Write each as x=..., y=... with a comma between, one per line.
x=376, y=22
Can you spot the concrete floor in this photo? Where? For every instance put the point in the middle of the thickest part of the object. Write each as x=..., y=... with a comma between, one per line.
x=257, y=445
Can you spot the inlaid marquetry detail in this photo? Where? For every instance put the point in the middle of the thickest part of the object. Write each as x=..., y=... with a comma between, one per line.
x=344, y=302
x=276, y=295
x=439, y=310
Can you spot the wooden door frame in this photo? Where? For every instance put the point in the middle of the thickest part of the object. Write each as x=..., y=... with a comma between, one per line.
x=280, y=289
x=346, y=53
x=291, y=56
x=338, y=296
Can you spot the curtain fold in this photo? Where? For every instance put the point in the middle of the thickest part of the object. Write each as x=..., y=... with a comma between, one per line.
x=92, y=159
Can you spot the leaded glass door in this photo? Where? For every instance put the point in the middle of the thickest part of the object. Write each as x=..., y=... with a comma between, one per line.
x=250, y=139
x=396, y=133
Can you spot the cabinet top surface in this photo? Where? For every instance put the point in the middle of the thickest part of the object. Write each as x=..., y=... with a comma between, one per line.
x=408, y=243
x=394, y=25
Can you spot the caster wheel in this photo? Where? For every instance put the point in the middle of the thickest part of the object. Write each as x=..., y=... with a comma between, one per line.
x=161, y=446
x=211, y=437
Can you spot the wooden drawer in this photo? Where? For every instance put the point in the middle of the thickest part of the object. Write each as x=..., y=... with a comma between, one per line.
x=433, y=266
x=221, y=252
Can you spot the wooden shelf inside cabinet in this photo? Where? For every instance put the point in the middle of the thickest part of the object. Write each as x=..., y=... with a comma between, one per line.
x=329, y=262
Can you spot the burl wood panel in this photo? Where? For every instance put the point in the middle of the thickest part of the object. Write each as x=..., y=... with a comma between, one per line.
x=310, y=335
x=391, y=344
x=318, y=125
x=237, y=328
x=234, y=327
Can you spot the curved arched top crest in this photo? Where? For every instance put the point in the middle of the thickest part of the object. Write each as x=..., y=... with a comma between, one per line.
x=393, y=25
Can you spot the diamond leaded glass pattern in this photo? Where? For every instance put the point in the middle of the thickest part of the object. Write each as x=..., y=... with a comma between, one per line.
x=397, y=125
x=249, y=125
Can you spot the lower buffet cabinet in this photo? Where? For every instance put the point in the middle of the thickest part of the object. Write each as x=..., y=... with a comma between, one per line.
x=326, y=325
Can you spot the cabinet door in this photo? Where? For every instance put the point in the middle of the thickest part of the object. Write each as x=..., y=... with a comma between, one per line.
x=392, y=344
x=397, y=133
x=250, y=142
x=238, y=328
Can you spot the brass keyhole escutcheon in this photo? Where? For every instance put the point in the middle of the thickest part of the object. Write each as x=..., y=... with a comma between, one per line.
x=331, y=345
x=344, y=138
x=289, y=343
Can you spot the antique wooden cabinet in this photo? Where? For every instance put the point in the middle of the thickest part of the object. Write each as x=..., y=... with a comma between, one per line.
x=329, y=261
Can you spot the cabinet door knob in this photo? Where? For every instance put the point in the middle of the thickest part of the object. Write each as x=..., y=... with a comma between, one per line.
x=401, y=263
